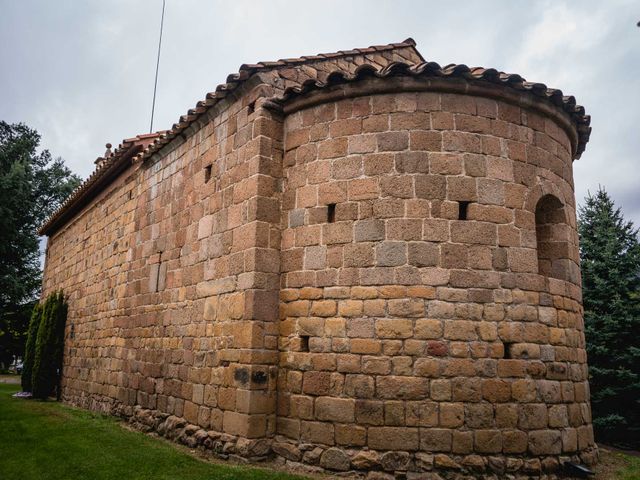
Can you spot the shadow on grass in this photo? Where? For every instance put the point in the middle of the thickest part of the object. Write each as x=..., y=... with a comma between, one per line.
x=47, y=440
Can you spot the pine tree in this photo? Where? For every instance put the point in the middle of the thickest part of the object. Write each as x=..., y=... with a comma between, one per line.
x=32, y=186
x=610, y=254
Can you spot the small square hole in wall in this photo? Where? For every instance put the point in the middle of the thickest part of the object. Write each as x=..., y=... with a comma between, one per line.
x=207, y=173
x=331, y=213
x=507, y=350
x=252, y=107
x=463, y=207
x=304, y=343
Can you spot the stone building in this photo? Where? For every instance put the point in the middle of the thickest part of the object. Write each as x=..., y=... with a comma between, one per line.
x=354, y=261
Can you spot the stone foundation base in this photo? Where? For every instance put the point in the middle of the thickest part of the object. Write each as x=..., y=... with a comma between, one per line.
x=378, y=465
x=344, y=462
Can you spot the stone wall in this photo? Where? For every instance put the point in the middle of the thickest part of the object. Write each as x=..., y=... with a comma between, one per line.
x=172, y=278
x=387, y=281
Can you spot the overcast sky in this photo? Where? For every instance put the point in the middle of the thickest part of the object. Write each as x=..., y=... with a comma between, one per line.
x=81, y=72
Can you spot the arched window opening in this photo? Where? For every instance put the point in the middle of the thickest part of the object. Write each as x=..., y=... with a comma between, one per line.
x=552, y=236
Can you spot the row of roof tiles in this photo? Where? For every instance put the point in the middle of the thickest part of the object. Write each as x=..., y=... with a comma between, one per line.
x=513, y=81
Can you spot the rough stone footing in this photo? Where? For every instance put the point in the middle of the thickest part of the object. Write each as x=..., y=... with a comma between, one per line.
x=379, y=465
x=356, y=463
x=351, y=463
x=228, y=447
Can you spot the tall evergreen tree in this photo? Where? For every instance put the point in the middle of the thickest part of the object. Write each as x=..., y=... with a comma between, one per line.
x=32, y=186
x=610, y=254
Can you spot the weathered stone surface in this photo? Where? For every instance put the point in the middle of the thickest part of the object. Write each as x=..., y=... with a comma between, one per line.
x=365, y=460
x=287, y=450
x=545, y=442
x=389, y=438
x=335, y=459
x=474, y=462
x=392, y=461
x=312, y=456
x=380, y=476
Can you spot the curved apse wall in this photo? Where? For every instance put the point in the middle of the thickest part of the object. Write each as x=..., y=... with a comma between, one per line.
x=431, y=300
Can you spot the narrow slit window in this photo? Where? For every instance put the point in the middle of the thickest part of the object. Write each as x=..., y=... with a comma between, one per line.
x=207, y=173
x=252, y=107
x=331, y=213
x=158, y=275
x=304, y=343
x=463, y=207
x=507, y=351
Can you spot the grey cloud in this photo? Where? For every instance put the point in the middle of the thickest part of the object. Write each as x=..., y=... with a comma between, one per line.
x=82, y=72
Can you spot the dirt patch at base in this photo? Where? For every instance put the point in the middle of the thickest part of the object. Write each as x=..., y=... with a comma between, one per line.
x=12, y=379
x=611, y=462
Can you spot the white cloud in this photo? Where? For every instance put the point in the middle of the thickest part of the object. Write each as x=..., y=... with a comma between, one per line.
x=561, y=33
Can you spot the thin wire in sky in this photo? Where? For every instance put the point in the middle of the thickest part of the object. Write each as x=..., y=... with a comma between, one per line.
x=155, y=84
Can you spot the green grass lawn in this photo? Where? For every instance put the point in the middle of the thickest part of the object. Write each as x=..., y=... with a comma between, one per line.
x=47, y=440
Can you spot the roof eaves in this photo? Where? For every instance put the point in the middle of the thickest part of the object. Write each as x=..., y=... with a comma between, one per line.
x=566, y=103
x=107, y=168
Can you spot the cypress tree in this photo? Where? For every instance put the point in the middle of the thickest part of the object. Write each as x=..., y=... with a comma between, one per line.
x=49, y=347
x=58, y=346
x=30, y=348
x=610, y=255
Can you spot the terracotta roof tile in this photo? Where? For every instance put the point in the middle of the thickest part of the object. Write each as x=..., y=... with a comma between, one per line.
x=247, y=70
x=510, y=80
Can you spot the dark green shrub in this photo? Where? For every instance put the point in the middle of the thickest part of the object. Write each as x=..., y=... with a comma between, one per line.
x=47, y=364
x=30, y=348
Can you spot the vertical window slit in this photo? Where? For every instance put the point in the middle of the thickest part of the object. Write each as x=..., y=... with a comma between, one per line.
x=158, y=276
x=462, y=210
x=207, y=173
x=304, y=343
x=331, y=213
